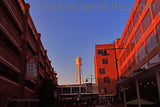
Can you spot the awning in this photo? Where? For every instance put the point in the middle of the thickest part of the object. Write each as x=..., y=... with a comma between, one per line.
x=143, y=102
x=141, y=75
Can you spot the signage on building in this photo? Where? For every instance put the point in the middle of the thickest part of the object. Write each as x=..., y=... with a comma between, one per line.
x=31, y=68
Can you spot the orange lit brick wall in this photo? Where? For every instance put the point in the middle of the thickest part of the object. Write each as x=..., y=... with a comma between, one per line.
x=141, y=37
x=141, y=43
x=102, y=77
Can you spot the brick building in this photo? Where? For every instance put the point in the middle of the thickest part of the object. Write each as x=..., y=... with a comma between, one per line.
x=139, y=61
x=140, y=37
x=105, y=71
x=86, y=93
x=20, y=40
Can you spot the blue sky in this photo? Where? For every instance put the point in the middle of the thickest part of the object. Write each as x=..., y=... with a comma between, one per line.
x=71, y=28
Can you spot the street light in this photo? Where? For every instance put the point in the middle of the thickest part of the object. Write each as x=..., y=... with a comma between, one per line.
x=86, y=80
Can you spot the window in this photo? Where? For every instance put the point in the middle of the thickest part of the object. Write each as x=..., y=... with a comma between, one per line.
x=154, y=59
x=142, y=5
x=136, y=58
x=124, y=56
x=135, y=17
x=105, y=53
x=130, y=28
x=102, y=71
x=158, y=31
x=129, y=65
x=145, y=66
x=133, y=60
x=155, y=7
x=127, y=50
x=146, y=21
x=151, y=42
x=141, y=52
x=106, y=80
x=75, y=89
x=138, y=34
x=100, y=51
x=120, y=60
x=132, y=43
x=103, y=91
x=126, y=37
x=105, y=61
x=66, y=90
x=83, y=89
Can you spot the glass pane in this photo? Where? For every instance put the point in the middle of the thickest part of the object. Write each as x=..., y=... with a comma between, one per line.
x=145, y=66
x=135, y=17
x=142, y=5
x=105, y=61
x=151, y=42
x=132, y=43
x=136, y=58
x=127, y=50
x=158, y=31
x=102, y=71
x=122, y=43
x=146, y=21
x=130, y=28
x=155, y=7
x=154, y=59
x=126, y=37
x=100, y=51
x=133, y=60
x=138, y=34
x=141, y=52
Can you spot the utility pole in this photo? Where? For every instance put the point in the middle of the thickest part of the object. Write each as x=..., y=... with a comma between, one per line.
x=116, y=61
x=114, y=48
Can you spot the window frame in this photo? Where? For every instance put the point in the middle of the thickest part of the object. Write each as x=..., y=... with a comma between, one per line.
x=101, y=71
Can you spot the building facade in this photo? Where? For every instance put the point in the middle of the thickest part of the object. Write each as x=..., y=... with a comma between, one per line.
x=19, y=40
x=86, y=93
x=138, y=54
x=139, y=61
x=105, y=71
x=140, y=37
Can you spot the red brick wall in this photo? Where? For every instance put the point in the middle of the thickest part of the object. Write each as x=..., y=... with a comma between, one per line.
x=110, y=69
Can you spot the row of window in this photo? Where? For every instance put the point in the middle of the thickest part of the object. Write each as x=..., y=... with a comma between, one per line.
x=74, y=90
x=151, y=42
x=106, y=79
x=151, y=61
x=145, y=22
x=103, y=53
